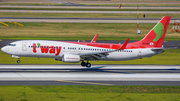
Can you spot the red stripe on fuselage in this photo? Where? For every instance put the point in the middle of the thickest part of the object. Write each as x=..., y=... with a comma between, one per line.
x=99, y=45
x=110, y=46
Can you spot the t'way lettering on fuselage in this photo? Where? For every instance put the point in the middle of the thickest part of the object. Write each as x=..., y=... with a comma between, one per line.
x=45, y=49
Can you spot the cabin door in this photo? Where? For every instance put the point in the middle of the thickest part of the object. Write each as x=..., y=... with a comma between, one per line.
x=139, y=52
x=24, y=46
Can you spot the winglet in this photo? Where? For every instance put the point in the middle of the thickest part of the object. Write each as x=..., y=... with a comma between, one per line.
x=94, y=39
x=124, y=45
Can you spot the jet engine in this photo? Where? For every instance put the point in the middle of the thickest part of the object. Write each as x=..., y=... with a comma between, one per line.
x=71, y=58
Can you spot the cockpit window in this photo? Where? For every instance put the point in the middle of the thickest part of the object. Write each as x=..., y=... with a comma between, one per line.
x=12, y=45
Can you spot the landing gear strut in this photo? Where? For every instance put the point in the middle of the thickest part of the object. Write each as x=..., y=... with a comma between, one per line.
x=18, y=61
x=88, y=65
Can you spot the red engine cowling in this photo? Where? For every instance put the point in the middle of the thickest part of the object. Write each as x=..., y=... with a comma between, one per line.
x=71, y=58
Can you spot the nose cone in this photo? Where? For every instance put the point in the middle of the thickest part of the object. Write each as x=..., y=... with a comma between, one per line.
x=4, y=49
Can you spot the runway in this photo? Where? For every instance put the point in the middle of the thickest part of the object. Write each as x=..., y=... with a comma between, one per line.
x=167, y=44
x=86, y=7
x=96, y=75
x=82, y=20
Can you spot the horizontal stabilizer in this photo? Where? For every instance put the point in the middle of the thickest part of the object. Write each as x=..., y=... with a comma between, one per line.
x=156, y=49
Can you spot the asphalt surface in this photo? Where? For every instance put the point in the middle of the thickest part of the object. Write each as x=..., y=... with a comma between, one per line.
x=86, y=7
x=85, y=2
x=158, y=83
x=93, y=12
x=117, y=2
x=82, y=20
x=96, y=75
x=167, y=44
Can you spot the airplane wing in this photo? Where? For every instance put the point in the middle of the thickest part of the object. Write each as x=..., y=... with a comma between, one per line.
x=94, y=39
x=124, y=45
x=101, y=55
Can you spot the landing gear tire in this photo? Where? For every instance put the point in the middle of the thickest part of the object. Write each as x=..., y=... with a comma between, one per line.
x=83, y=64
x=18, y=61
x=88, y=65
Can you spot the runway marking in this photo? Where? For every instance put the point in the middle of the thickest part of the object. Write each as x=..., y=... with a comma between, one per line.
x=84, y=82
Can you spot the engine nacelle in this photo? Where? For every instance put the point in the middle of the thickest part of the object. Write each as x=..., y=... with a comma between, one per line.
x=71, y=58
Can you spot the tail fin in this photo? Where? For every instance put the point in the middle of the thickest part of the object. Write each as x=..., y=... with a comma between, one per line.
x=156, y=36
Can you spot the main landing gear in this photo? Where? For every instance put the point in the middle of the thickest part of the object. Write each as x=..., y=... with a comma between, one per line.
x=88, y=65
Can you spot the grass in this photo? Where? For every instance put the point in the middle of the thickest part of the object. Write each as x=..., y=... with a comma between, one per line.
x=80, y=9
x=83, y=15
x=79, y=31
x=89, y=93
x=34, y=4
x=169, y=57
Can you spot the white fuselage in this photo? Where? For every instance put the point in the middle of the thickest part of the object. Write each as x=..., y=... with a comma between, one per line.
x=56, y=49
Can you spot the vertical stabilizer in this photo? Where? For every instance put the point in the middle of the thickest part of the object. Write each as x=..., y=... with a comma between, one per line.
x=156, y=36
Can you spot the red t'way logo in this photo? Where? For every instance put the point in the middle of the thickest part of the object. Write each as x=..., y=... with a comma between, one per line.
x=45, y=49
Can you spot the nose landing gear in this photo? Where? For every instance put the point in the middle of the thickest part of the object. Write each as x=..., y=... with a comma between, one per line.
x=18, y=61
x=88, y=65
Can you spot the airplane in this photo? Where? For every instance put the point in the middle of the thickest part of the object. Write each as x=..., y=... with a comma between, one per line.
x=74, y=52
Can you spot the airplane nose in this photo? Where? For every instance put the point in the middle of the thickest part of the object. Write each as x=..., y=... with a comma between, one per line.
x=4, y=49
